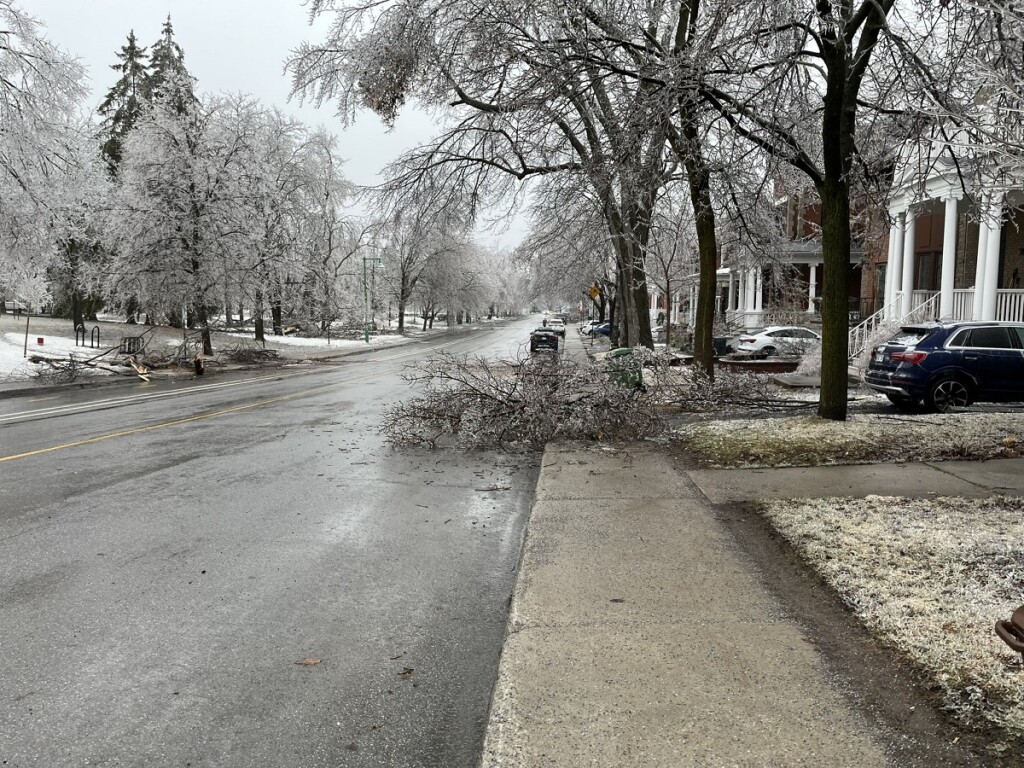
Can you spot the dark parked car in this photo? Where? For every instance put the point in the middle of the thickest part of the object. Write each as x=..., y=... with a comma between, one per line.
x=950, y=364
x=544, y=338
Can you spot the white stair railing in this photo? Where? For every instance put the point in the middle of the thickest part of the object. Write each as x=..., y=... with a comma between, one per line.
x=864, y=330
x=862, y=333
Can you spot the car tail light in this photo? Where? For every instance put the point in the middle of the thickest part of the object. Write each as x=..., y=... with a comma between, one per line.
x=747, y=340
x=911, y=358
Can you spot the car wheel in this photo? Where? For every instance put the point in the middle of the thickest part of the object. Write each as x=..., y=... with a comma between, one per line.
x=948, y=393
x=769, y=351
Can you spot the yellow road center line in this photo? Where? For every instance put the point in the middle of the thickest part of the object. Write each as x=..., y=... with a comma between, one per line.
x=149, y=428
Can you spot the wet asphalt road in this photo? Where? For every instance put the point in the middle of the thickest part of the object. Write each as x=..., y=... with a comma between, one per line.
x=168, y=555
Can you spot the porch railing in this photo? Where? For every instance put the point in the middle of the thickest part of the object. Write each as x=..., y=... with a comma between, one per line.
x=963, y=303
x=917, y=298
x=1010, y=304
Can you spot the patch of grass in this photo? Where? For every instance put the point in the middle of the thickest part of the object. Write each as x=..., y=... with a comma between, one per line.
x=863, y=438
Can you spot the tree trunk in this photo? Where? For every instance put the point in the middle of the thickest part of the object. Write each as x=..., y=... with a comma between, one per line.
x=401, y=314
x=131, y=310
x=699, y=177
x=77, y=313
x=668, y=311
x=838, y=132
x=276, y=316
x=835, y=314
x=258, y=318
x=203, y=318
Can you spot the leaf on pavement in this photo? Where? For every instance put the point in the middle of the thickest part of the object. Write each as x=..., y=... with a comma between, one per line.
x=308, y=662
x=407, y=672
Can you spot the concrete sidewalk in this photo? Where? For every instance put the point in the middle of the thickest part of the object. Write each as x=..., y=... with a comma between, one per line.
x=640, y=635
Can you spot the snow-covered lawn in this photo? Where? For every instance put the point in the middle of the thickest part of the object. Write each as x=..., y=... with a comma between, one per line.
x=386, y=340
x=14, y=365
x=929, y=577
x=862, y=438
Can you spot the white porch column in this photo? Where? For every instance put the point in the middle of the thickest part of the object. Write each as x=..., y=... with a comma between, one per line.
x=895, y=270
x=982, y=260
x=991, y=283
x=748, y=307
x=759, y=290
x=812, y=287
x=948, y=258
x=909, y=246
x=732, y=290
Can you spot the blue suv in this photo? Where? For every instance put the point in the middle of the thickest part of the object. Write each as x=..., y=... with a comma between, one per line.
x=949, y=365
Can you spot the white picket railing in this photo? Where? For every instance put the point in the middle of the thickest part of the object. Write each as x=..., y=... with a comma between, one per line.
x=963, y=303
x=1010, y=305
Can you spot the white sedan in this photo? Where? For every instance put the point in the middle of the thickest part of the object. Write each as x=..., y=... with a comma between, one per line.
x=778, y=340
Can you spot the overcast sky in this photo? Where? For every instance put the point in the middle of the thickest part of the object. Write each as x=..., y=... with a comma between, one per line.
x=230, y=46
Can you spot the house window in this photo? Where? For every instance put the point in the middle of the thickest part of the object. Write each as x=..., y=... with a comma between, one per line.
x=927, y=278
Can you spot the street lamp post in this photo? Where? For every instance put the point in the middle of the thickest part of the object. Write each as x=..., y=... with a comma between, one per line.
x=377, y=263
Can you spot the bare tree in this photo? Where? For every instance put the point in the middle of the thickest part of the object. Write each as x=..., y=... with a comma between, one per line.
x=410, y=244
x=798, y=81
x=673, y=255
x=568, y=246
x=525, y=102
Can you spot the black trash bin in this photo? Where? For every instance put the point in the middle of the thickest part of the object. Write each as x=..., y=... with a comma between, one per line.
x=721, y=346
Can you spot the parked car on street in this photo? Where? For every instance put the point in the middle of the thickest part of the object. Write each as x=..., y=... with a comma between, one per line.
x=604, y=329
x=587, y=329
x=778, y=340
x=556, y=324
x=543, y=338
x=950, y=365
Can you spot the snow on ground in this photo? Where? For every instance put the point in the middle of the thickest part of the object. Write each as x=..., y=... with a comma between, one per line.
x=15, y=366
x=929, y=577
x=862, y=438
x=333, y=345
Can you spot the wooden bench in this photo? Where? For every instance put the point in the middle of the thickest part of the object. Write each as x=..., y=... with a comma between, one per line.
x=1011, y=631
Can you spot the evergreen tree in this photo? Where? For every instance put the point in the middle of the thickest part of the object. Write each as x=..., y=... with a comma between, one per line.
x=124, y=101
x=169, y=79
